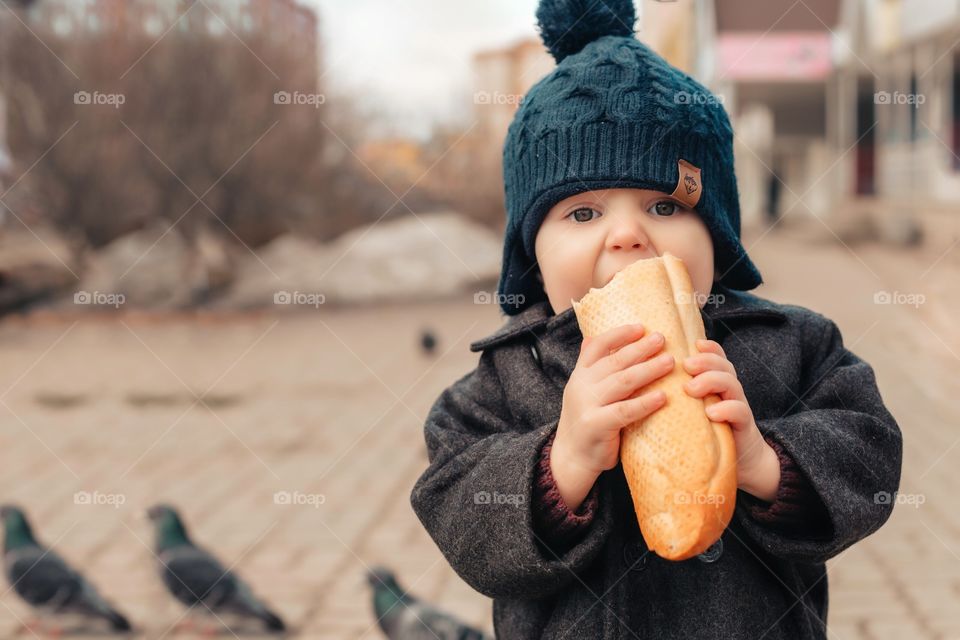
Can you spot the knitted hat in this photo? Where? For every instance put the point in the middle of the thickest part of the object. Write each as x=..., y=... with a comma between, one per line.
x=614, y=114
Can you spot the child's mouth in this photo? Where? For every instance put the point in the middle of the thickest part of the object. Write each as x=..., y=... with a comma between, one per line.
x=609, y=278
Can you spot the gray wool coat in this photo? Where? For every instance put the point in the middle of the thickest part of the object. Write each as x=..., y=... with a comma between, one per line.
x=808, y=393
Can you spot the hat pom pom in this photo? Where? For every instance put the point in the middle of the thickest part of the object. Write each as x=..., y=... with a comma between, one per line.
x=567, y=26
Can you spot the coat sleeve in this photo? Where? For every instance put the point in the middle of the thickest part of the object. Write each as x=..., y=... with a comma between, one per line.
x=476, y=499
x=796, y=508
x=843, y=440
x=553, y=521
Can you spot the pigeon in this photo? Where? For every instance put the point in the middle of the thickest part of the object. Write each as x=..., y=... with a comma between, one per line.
x=401, y=616
x=47, y=583
x=428, y=342
x=197, y=579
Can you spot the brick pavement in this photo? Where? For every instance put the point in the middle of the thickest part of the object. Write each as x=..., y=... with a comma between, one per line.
x=331, y=404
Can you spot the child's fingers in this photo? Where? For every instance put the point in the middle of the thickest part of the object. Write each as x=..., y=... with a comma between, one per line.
x=734, y=412
x=626, y=412
x=629, y=355
x=710, y=346
x=620, y=384
x=599, y=346
x=719, y=382
x=707, y=362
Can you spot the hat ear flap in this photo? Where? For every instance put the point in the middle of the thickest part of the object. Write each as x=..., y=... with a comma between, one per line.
x=521, y=282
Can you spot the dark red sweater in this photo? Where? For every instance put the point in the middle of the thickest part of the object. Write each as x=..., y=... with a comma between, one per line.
x=795, y=508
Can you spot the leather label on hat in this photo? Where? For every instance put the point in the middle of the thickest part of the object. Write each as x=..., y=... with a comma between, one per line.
x=689, y=185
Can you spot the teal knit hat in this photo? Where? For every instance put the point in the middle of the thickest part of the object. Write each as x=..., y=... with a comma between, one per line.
x=614, y=114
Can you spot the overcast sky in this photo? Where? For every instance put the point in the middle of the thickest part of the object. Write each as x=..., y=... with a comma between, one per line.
x=413, y=56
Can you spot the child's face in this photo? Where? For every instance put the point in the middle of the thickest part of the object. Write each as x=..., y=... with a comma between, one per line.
x=587, y=238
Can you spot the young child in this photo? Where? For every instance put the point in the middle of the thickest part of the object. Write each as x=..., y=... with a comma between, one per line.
x=617, y=156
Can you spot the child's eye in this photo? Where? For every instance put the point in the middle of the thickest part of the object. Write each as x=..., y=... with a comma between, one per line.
x=583, y=214
x=665, y=208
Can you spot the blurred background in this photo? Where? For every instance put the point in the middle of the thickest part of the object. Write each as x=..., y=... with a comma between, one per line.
x=244, y=244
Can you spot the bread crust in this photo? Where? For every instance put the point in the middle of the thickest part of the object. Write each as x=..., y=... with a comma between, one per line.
x=680, y=466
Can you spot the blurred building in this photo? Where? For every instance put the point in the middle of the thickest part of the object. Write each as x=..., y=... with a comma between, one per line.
x=671, y=29
x=770, y=63
x=399, y=162
x=896, y=130
x=501, y=77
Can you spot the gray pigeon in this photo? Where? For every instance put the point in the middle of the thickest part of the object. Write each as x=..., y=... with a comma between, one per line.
x=195, y=578
x=45, y=581
x=403, y=617
x=428, y=341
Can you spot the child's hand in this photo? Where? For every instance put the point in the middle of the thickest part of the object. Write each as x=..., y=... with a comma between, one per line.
x=598, y=402
x=758, y=468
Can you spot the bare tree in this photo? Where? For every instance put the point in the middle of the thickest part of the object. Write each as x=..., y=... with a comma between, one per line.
x=194, y=129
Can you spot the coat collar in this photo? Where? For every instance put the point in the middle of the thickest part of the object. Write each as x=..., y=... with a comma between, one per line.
x=733, y=306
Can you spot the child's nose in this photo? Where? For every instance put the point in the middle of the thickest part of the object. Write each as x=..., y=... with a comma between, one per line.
x=627, y=234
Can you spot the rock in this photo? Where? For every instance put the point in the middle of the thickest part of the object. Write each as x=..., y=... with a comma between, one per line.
x=288, y=263
x=901, y=230
x=156, y=267
x=34, y=267
x=427, y=256
x=406, y=258
x=860, y=226
x=147, y=267
x=211, y=268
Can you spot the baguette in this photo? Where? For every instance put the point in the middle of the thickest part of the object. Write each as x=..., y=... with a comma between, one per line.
x=680, y=466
